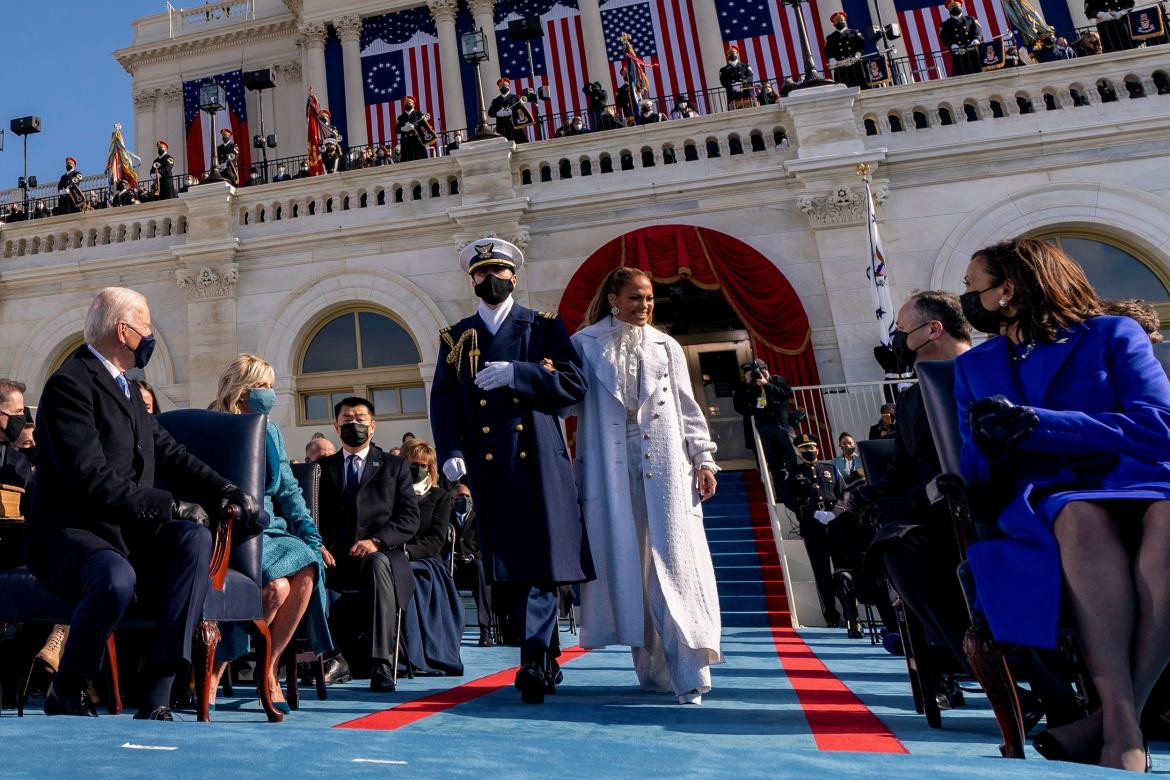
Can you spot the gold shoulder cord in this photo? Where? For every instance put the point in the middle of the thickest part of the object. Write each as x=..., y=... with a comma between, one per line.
x=456, y=349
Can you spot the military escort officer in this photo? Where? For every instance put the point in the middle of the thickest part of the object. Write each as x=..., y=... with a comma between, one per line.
x=502, y=376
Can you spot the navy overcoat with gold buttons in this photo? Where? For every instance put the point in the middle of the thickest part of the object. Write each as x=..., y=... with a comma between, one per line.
x=530, y=524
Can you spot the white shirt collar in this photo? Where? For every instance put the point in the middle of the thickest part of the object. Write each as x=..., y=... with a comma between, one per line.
x=494, y=318
x=361, y=455
x=114, y=372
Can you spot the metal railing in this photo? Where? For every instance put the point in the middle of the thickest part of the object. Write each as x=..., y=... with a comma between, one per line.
x=844, y=408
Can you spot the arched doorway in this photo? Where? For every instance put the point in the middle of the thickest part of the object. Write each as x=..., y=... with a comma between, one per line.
x=723, y=301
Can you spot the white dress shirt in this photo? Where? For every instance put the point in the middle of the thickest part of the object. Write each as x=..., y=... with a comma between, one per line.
x=494, y=318
x=360, y=456
x=114, y=372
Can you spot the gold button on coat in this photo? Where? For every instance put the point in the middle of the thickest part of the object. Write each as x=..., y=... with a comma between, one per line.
x=515, y=400
x=483, y=402
x=488, y=456
x=523, y=455
x=520, y=426
x=487, y=429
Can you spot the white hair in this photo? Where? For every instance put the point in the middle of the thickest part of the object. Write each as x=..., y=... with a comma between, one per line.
x=111, y=306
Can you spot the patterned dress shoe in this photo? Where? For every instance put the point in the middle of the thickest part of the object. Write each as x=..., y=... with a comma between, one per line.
x=531, y=681
x=158, y=713
x=381, y=680
x=75, y=702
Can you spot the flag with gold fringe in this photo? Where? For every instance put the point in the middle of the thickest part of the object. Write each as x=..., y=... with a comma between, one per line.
x=1027, y=18
x=313, y=139
x=120, y=161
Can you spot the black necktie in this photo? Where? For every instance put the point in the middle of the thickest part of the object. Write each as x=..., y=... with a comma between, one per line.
x=352, y=477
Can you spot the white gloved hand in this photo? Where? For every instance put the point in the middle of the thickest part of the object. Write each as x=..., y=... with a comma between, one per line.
x=497, y=373
x=504, y=112
x=407, y=127
x=454, y=468
x=824, y=516
x=832, y=62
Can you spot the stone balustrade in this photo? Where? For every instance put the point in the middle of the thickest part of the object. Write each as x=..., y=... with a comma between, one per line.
x=147, y=227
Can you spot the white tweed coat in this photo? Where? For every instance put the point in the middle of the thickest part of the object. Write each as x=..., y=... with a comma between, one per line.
x=675, y=441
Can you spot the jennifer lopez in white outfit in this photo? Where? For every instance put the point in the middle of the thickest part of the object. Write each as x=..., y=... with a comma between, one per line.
x=644, y=464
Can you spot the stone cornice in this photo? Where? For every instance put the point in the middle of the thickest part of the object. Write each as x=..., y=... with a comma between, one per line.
x=134, y=57
x=349, y=28
x=443, y=10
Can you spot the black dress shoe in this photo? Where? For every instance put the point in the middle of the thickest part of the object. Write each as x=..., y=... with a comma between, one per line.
x=337, y=671
x=531, y=682
x=553, y=676
x=158, y=713
x=855, y=631
x=76, y=702
x=485, y=638
x=381, y=680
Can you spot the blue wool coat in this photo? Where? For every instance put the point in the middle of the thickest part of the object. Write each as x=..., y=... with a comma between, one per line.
x=1104, y=406
x=529, y=521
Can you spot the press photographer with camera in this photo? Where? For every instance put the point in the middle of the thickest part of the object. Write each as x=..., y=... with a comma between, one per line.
x=766, y=398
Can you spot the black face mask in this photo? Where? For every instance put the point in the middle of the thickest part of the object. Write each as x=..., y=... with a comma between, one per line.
x=143, y=351
x=493, y=290
x=463, y=504
x=809, y=456
x=956, y=11
x=14, y=427
x=418, y=472
x=981, y=319
x=840, y=25
x=355, y=434
x=504, y=90
x=902, y=352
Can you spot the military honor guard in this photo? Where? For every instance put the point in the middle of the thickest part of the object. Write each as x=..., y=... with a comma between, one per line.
x=736, y=77
x=1111, y=17
x=843, y=49
x=413, y=127
x=510, y=115
x=163, y=167
x=502, y=376
x=332, y=154
x=70, y=200
x=961, y=34
x=226, y=156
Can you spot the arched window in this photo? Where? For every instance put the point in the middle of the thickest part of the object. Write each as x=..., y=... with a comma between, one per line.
x=64, y=352
x=364, y=352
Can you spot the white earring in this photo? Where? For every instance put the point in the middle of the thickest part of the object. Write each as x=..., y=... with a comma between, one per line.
x=613, y=310
x=1002, y=302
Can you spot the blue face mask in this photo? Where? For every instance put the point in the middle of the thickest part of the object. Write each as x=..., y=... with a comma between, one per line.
x=261, y=399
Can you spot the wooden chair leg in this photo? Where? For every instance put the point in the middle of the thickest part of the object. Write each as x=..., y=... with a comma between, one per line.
x=319, y=678
x=259, y=630
x=206, y=640
x=115, y=705
x=292, y=693
x=989, y=665
x=397, y=646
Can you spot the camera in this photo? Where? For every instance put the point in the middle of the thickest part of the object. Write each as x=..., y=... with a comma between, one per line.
x=757, y=369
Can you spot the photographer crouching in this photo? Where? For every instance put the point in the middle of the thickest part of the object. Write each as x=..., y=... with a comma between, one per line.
x=766, y=399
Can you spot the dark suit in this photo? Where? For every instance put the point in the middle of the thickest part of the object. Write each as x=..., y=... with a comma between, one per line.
x=841, y=45
x=434, y=523
x=281, y=177
x=15, y=468
x=410, y=147
x=99, y=525
x=385, y=511
x=469, y=571
x=963, y=32
x=505, y=125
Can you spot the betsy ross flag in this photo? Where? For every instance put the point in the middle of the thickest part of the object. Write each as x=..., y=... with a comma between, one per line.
x=665, y=36
x=883, y=307
x=198, y=123
x=400, y=57
x=558, y=58
x=120, y=161
x=765, y=33
x=920, y=21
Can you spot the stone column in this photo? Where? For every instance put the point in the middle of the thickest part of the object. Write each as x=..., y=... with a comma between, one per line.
x=174, y=134
x=349, y=29
x=489, y=72
x=289, y=101
x=454, y=113
x=313, y=57
x=596, y=60
x=711, y=42
x=144, y=102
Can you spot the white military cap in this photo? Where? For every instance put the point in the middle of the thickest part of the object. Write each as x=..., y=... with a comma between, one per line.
x=491, y=251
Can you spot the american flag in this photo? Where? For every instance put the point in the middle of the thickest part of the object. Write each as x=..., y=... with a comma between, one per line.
x=920, y=21
x=558, y=58
x=765, y=33
x=198, y=123
x=400, y=57
x=663, y=33
x=883, y=306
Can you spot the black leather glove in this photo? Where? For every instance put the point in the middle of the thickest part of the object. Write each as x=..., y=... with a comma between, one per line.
x=185, y=510
x=998, y=425
x=231, y=494
x=861, y=498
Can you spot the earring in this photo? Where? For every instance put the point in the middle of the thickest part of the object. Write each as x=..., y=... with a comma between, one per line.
x=1003, y=302
x=613, y=310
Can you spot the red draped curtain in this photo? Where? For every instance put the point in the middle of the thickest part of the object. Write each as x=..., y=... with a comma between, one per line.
x=764, y=300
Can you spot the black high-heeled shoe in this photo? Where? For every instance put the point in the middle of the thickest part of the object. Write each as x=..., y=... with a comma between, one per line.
x=1052, y=749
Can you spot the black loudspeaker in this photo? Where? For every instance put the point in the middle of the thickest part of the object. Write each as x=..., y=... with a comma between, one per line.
x=526, y=28
x=26, y=125
x=258, y=79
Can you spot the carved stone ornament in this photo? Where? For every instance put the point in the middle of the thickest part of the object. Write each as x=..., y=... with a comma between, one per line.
x=207, y=282
x=172, y=94
x=290, y=71
x=349, y=28
x=844, y=206
x=313, y=33
x=144, y=99
x=443, y=10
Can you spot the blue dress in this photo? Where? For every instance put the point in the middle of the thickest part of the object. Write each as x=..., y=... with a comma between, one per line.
x=291, y=542
x=1103, y=403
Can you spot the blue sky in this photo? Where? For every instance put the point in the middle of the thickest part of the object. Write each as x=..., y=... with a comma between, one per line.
x=79, y=91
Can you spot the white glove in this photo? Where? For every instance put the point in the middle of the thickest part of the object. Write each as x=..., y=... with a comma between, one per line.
x=824, y=516
x=955, y=48
x=832, y=62
x=498, y=373
x=406, y=128
x=454, y=468
x=504, y=112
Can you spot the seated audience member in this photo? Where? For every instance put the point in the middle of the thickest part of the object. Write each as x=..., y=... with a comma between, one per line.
x=368, y=514
x=281, y=173
x=683, y=109
x=293, y=559
x=648, y=113
x=148, y=396
x=767, y=95
x=124, y=195
x=433, y=625
x=1012, y=58
x=407, y=437
x=469, y=571
x=15, y=467
x=848, y=463
x=452, y=145
x=1050, y=49
x=1067, y=415
x=318, y=447
x=884, y=428
x=914, y=541
x=1140, y=312
x=609, y=121
x=39, y=210
x=1088, y=44
x=99, y=527
x=303, y=171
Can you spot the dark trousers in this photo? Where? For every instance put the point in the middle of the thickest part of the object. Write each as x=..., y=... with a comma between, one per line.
x=535, y=608
x=779, y=454
x=171, y=570
x=470, y=575
x=372, y=578
x=817, y=545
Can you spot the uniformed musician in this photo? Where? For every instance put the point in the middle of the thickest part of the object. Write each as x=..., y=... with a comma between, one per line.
x=409, y=145
x=502, y=376
x=163, y=167
x=961, y=34
x=69, y=188
x=332, y=153
x=812, y=491
x=736, y=77
x=503, y=109
x=1112, y=22
x=227, y=157
x=843, y=49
